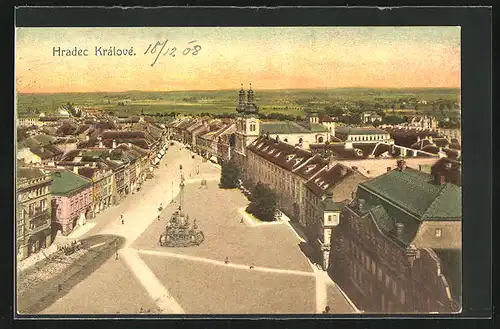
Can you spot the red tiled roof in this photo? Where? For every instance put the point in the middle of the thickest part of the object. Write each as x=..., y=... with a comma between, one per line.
x=325, y=118
x=328, y=178
x=311, y=167
x=279, y=153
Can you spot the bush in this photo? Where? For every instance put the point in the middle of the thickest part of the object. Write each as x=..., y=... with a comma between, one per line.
x=230, y=175
x=263, y=203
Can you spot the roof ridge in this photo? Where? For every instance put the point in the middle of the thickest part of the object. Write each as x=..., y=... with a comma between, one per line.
x=441, y=191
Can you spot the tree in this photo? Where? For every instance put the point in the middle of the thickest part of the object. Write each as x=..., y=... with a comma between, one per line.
x=263, y=204
x=229, y=176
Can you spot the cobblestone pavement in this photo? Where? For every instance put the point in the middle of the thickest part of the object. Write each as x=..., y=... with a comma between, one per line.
x=42, y=285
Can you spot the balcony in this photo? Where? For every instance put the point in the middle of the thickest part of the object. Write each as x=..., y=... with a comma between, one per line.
x=39, y=220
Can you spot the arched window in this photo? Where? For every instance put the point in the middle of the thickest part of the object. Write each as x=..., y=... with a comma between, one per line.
x=320, y=139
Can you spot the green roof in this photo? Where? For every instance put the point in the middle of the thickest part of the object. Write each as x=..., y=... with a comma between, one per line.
x=382, y=218
x=330, y=205
x=282, y=127
x=316, y=127
x=416, y=193
x=65, y=182
x=359, y=131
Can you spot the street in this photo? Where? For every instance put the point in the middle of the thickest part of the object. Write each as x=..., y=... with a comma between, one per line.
x=266, y=272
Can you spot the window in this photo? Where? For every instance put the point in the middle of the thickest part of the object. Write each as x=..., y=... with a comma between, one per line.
x=367, y=263
x=394, y=288
x=329, y=218
x=387, y=281
x=402, y=297
x=438, y=233
x=379, y=274
x=374, y=268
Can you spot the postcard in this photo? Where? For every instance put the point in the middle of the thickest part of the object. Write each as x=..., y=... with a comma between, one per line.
x=238, y=170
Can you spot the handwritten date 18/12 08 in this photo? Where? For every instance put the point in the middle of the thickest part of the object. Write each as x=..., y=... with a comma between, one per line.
x=158, y=49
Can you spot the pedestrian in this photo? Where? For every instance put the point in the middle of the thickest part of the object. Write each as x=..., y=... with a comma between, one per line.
x=123, y=221
x=226, y=261
x=327, y=310
x=241, y=220
x=59, y=287
x=158, y=218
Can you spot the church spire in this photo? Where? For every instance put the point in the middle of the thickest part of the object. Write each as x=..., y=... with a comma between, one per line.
x=250, y=95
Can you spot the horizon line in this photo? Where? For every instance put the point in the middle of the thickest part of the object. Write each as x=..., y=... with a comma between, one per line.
x=208, y=90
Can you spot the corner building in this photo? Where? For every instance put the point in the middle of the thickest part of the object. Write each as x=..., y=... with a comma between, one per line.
x=397, y=248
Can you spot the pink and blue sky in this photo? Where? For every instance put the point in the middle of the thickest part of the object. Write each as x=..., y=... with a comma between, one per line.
x=268, y=57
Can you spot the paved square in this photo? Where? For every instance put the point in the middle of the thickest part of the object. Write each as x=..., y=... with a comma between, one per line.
x=216, y=214
x=112, y=289
x=211, y=289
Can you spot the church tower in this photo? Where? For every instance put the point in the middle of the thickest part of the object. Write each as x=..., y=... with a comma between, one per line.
x=247, y=121
x=241, y=101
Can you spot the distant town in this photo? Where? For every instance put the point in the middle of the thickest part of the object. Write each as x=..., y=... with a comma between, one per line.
x=326, y=203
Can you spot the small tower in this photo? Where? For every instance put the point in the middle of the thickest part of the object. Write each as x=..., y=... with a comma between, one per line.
x=241, y=101
x=250, y=95
x=312, y=118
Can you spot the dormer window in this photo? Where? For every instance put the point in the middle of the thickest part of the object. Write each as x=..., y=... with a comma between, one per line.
x=290, y=157
x=316, y=180
x=310, y=167
x=326, y=186
x=265, y=148
x=272, y=151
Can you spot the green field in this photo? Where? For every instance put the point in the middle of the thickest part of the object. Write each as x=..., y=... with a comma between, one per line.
x=292, y=102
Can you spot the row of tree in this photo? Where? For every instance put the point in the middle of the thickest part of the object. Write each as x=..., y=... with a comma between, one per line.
x=263, y=200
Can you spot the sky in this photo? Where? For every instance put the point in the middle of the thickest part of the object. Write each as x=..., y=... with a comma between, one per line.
x=267, y=57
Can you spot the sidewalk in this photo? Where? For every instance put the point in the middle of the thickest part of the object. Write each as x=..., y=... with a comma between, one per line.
x=35, y=258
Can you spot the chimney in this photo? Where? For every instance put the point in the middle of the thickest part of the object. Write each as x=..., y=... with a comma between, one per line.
x=399, y=229
x=361, y=205
x=277, y=139
x=114, y=144
x=389, y=169
x=401, y=165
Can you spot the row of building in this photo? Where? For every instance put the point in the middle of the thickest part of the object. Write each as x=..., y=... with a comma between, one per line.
x=383, y=219
x=60, y=191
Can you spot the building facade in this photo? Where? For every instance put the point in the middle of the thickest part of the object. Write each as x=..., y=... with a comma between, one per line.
x=33, y=211
x=398, y=244
x=71, y=200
